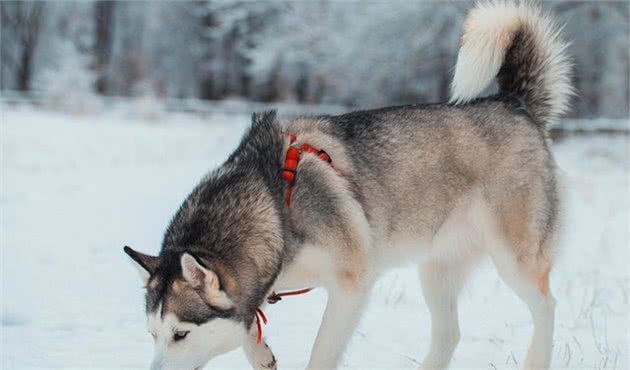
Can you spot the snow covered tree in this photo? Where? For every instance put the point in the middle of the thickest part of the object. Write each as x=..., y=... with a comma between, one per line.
x=226, y=36
x=65, y=73
x=22, y=23
x=322, y=51
x=599, y=37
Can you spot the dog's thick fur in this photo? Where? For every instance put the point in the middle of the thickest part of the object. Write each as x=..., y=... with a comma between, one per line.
x=435, y=185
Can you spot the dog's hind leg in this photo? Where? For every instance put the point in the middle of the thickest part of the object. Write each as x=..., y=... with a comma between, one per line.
x=441, y=283
x=523, y=255
x=530, y=281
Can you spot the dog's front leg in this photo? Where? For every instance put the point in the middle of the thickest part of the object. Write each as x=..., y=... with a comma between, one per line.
x=259, y=355
x=342, y=314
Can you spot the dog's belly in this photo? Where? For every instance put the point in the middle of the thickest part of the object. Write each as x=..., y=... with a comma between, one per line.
x=463, y=233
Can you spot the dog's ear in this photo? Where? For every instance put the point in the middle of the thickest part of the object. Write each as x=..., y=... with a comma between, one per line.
x=145, y=264
x=206, y=280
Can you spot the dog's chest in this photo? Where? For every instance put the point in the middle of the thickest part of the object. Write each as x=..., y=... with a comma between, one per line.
x=312, y=266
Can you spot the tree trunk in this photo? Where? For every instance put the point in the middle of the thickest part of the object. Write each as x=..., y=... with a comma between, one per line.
x=104, y=25
x=32, y=25
x=24, y=72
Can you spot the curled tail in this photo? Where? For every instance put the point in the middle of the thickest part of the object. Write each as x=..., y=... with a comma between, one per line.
x=522, y=48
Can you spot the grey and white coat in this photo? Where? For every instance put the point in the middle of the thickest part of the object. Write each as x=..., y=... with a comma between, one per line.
x=437, y=185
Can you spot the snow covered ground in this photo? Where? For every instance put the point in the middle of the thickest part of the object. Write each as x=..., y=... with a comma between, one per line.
x=76, y=188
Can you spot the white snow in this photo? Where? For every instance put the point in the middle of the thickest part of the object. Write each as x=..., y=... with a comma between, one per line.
x=76, y=188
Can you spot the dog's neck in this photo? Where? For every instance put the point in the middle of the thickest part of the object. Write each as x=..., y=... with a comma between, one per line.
x=236, y=218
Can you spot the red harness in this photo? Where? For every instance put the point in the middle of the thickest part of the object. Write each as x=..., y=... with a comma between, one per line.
x=293, y=159
x=288, y=173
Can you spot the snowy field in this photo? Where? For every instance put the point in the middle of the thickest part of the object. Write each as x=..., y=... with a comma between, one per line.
x=76, y=188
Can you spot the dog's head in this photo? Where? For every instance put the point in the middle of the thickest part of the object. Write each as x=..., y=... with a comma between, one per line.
x=220, y=254
x=189, y=314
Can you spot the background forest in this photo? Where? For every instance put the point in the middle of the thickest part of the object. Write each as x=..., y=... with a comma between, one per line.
x=348, y=53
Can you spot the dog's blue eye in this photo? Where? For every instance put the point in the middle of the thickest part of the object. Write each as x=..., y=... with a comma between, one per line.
x=179, y=335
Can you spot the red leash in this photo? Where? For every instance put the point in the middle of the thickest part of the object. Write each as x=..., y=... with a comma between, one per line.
x=273, y=299
x=277, y=297
x=288, y=173
x=260, y=315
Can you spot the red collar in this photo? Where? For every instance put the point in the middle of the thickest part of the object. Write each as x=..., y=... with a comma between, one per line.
x=293, y=159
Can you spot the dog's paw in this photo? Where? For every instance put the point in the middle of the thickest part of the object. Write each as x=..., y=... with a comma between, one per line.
x=260, y=356
x=267, y=359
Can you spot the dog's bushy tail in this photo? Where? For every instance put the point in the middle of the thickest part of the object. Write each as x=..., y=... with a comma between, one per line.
x=522, y=48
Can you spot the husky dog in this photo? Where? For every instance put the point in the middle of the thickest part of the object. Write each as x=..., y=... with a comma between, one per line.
x=437, y=185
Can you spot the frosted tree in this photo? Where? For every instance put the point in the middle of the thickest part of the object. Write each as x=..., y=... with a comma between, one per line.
x=69, y=83
x=377, y=54
x=226, y=37
x=65, y=73
x=600, y=56
x=361, y=54
x=22, y=23
x=129, y=58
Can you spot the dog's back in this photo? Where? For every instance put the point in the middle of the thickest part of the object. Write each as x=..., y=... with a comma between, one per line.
x=412, y=166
